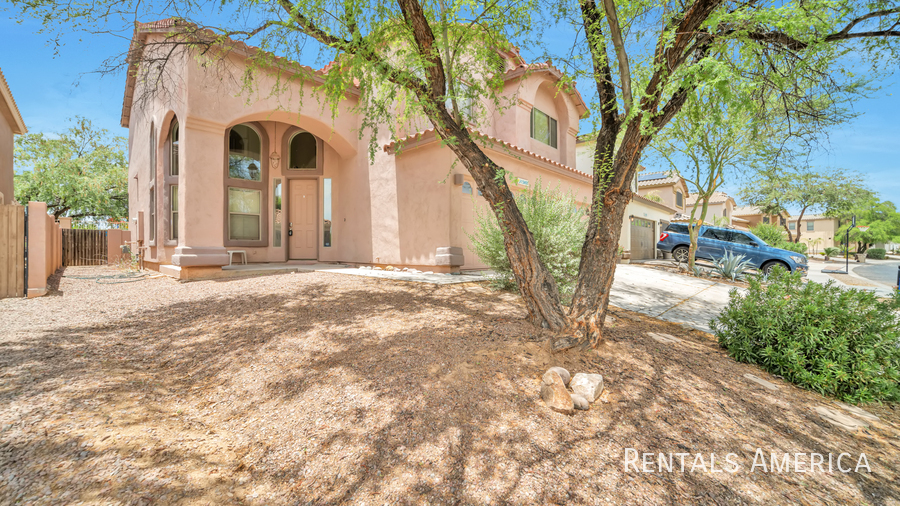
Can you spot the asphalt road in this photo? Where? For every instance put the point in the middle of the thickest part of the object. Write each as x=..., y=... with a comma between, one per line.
x=882, y=271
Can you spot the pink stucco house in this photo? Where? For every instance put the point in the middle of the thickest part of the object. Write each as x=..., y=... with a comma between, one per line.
x=212, y=170
x=11, y=124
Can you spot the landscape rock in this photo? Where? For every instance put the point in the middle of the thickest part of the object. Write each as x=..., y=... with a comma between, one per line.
x=564, y=374
x=857, y=411
x=839, y=419
x=389, y=268
x=589, y=386
x=762, y=382
x=555, y=395
x=377, y=268
x=580, y=402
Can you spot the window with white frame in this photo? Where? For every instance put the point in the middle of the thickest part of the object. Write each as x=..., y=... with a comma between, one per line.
x=810, y=226
x=173, y=212
x=244, y=214
x=543, y=127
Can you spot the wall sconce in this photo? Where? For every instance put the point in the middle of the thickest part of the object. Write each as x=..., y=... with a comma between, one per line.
x=274, y=160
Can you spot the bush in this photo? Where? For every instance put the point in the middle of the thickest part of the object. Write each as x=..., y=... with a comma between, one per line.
x=876, y=253
x=796, y=247
x=841, y=343
x=770, y=233
x=733, y=266
x=832, y=252
x=558, y=227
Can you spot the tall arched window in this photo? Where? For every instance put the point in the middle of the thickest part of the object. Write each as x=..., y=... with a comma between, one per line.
x=467, y=188
x=303, y=151
x=152, y=216
x=246, y=186
x=173, y=149
x=171, y=197
x=244, y=153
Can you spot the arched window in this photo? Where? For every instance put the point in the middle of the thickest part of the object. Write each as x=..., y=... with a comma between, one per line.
x=303, y=151
x=246, y=193
x=725, y=213
x=173, y=149
x=244, y=153
x=152, y=216
x=171, y=196
x=467, y=188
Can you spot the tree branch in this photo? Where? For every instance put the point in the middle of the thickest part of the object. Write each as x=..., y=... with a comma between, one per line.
x=624, y=68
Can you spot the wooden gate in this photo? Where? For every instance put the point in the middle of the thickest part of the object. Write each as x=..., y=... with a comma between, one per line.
x=12, y=251
x=643, y=239
x=83, y=247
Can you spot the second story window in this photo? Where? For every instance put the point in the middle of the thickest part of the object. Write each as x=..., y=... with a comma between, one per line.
x=810, y=226
x=543, y=127
x=679, y=199
x=792, y=226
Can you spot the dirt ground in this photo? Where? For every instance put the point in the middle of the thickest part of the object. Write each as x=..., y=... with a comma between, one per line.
x=316, y=388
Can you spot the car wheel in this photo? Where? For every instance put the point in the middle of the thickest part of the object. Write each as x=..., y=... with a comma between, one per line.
x=770, y=266
x=681, y=254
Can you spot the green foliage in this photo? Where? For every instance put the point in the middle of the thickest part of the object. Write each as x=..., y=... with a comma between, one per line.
x=774, y=236
x=841, y=343
x=796, y=247
x=828, y=191
x=769, y=233
x=81, y=174
x=832, y=252
x=876, y=253
x=881, y=217
x=732, y=266
x=558, y=227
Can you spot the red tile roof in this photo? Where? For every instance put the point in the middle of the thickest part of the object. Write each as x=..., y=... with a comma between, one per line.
x=479, y=136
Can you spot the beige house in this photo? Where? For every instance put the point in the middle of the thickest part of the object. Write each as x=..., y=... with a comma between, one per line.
x=213, y=172
x=644, y=218
x=11, y=124
x=817, y=227
x=753, y=216
x=669, y=187
x=720, y=207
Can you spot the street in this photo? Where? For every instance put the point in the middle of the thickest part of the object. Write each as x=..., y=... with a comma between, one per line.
x=880, y=271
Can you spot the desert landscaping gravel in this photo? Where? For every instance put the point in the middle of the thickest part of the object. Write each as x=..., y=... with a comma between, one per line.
x=318, y=388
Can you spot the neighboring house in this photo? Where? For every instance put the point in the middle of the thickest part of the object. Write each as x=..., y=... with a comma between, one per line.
x=753, y=216
x=11, y=124
x=212, y=171
x=669, y=187
x=644, y=218
x=814, y=227
x=720, y=206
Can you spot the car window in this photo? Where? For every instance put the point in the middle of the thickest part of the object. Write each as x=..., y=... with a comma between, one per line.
x=677, y=228
x=741, y=238
x=712, y=233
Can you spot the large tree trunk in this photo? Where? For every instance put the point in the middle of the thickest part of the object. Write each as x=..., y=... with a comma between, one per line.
x=535, y=283
x=802, y=212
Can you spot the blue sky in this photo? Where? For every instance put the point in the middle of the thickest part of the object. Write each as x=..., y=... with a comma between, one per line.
x=52, y=84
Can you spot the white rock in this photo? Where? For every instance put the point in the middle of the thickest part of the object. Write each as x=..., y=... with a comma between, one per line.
x=589, y=386
x=564, y=374
x=580, y=402
x=428, y=272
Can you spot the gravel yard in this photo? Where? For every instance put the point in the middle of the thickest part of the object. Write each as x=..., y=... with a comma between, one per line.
x=318, y=388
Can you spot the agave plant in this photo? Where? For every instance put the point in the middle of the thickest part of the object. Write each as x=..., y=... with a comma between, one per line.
x=733, y=266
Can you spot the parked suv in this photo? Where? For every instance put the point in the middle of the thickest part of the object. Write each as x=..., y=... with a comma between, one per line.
x=713, y=242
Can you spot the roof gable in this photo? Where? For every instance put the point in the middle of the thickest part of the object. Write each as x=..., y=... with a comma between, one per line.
x=9, y=108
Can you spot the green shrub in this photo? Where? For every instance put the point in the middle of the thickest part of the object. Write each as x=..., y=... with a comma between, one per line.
x=796, y=247
x=770, y=233
x=876, y=253
x=558, y=227
x=832, y=252
x=841, y=343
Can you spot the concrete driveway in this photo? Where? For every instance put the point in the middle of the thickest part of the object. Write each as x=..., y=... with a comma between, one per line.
x=670, y=297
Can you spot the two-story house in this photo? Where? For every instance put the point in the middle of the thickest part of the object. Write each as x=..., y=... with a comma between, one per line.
x=11, y=124
x=213, y=171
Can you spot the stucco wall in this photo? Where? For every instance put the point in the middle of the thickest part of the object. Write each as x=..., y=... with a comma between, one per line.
x=6, y=161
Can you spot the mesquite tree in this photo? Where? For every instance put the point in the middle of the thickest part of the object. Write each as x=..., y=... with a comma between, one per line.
x=414, y=52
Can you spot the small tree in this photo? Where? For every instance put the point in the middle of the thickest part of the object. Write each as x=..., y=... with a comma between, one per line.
x=558, y=225
x=82, y=174
x=808, y=189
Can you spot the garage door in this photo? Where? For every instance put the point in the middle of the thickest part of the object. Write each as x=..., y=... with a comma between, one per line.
x=643, y=239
